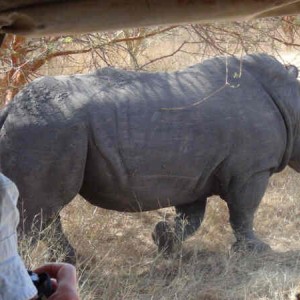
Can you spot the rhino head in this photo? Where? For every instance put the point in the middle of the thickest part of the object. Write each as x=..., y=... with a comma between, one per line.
x=294, y=161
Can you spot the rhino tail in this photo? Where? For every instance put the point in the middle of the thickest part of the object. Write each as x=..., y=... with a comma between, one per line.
x=3, y=115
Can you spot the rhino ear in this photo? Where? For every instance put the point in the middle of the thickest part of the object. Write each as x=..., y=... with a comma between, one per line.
x=292, y=70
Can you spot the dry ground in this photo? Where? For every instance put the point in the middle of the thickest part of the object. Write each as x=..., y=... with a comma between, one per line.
x=118, y=259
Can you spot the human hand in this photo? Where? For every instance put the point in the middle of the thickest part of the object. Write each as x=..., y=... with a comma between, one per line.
x=63, y=277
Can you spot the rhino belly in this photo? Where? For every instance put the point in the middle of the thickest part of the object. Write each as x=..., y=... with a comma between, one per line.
x=142, y=193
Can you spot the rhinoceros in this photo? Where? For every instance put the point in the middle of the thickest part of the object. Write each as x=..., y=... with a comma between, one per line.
x=139, y=141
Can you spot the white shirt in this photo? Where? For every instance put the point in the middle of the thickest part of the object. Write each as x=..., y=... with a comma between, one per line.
x=15, y=283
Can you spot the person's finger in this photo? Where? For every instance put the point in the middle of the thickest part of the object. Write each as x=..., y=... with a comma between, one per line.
x=67, y=275
x=66, y=286
x=54, y=268
x=64, y=294
x=51, y=269
x=54, y=284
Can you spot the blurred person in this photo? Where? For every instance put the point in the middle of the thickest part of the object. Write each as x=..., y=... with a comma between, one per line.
x=15, y=283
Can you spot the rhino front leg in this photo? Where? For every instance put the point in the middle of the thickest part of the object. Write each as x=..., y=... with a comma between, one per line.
x=243, y=200
x=188, y=219
x=61, y=244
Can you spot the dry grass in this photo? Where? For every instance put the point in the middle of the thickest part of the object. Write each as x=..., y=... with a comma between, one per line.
x=118, y=259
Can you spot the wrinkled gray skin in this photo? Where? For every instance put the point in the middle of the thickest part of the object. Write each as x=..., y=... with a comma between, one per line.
x=132, y=141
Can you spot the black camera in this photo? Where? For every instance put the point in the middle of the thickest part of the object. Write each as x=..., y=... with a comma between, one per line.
x=43, y=284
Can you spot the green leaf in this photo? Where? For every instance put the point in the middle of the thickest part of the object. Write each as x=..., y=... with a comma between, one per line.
x=68, y=40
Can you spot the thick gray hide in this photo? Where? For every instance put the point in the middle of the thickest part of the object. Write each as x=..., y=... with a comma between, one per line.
x=132, y=141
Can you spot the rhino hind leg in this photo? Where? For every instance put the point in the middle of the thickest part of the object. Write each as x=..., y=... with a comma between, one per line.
x=188, y=219
x=243, y=200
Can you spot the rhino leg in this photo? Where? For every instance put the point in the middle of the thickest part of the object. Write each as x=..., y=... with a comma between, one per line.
x=61, y=243
x=188, y=219
x=49, y=231
x=242, y=202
